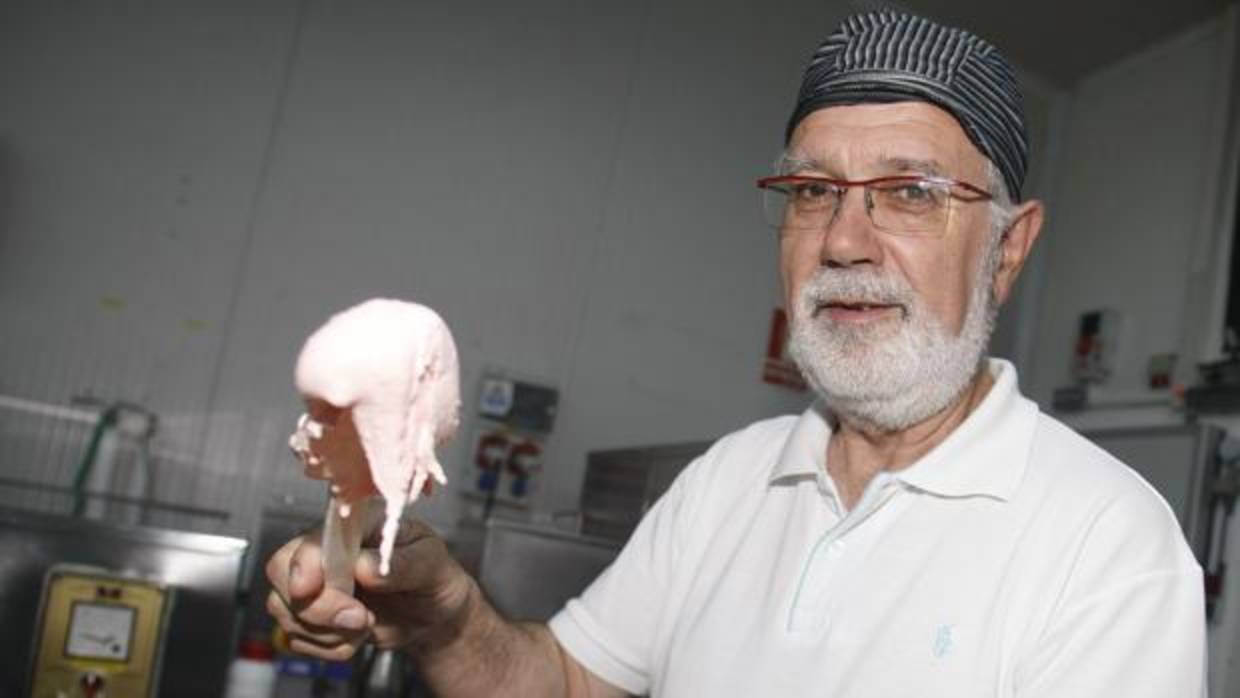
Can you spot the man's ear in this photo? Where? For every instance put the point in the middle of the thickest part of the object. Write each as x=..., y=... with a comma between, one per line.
x=1017, y=241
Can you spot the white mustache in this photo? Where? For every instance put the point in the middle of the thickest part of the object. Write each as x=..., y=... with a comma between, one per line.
x=833, y=286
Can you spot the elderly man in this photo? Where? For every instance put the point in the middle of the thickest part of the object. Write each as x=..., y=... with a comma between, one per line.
x=923, y=530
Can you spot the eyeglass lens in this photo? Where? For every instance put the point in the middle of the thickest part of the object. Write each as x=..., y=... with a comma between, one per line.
x=901, y=207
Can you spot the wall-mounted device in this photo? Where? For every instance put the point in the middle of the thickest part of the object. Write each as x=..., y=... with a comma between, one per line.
x=87, y=607
x=99, y=634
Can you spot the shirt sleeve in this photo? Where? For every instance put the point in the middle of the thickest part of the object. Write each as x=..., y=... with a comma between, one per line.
x=1131, y=620
x=611, y=628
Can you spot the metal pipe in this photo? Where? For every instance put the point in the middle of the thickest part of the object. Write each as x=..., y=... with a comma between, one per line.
x=122, y=499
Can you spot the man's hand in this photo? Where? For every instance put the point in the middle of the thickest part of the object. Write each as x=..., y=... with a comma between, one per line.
x=418, y=605
x=426, y=605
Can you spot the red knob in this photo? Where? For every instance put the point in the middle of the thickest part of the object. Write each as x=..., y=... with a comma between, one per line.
x=92, y=684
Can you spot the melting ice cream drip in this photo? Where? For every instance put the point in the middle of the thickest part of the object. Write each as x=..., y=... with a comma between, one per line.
x=394, y=365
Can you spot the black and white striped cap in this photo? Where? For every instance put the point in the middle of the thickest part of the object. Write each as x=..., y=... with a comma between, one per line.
x=887, y=56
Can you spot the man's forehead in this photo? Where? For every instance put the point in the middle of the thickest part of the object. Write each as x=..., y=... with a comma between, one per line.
x=906, y=136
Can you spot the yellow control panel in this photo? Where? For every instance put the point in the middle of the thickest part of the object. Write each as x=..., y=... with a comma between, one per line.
x=100, y=635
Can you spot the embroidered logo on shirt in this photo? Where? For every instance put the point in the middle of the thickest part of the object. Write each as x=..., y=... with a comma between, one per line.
x=942, y=641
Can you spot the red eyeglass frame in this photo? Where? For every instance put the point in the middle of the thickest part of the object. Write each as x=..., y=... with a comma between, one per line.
x=766, y=182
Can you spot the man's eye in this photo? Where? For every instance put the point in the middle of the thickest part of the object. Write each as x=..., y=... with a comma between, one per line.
x=811, y=191
x=914, y=192
x=918, y=195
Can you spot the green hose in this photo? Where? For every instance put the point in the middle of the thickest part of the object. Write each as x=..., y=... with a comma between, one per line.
x=107, y=420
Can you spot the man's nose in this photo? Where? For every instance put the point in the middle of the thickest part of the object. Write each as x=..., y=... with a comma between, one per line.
x=850, y=238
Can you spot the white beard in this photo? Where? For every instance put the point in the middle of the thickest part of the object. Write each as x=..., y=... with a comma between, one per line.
x=898, y=373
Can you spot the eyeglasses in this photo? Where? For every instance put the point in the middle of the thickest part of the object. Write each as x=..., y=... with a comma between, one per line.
x=913, y=205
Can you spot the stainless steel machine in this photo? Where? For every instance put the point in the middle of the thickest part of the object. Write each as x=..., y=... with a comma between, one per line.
x=87, y=606
x=529, y=572
x=622, y=483
x=99, y=634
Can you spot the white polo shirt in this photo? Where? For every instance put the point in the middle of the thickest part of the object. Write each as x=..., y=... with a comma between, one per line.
x=1015, y=559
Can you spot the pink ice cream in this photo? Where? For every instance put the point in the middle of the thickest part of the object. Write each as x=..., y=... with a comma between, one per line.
x=394, y=365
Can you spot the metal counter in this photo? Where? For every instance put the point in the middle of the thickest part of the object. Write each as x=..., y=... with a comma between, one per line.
x=529, y=572
x=204, y=569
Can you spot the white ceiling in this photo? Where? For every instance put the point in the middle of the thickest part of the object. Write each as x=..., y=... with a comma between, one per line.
x=1063, y=40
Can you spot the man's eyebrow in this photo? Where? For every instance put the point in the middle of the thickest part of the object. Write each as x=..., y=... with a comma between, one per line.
x=789, y=163
x=904, y=164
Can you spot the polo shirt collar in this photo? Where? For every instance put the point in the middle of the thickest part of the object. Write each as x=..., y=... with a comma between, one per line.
x=805, y=451
x=986, y=455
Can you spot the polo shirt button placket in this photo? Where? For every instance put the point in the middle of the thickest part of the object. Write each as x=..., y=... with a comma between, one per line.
x=809, y=610
x=810, y=606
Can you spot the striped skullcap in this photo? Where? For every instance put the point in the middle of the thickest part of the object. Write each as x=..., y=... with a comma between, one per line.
x=887, y=56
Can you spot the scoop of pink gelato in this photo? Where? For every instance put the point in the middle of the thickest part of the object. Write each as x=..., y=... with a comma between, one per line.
x=382, y=388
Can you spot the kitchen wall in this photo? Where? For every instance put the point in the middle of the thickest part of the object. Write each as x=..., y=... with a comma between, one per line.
x=1140, y=221
x=193, y=186
x=134, y=141
x=570, y=185
x=1130, y=223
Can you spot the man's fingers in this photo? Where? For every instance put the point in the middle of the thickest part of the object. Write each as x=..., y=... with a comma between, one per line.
x=415, y=563
x=296, y=574
x=296, y=570
x=305, y=571
x=277, y=565
x=331, y=609
x=334, y=653
x=315, y=641
x=320, y=622
x=424, y=586
x=322, y=635
x=408, y=531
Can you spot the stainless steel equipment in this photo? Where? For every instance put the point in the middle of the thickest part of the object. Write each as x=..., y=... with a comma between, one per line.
x=529, y=572
x=99, y=634
x=203, y=570
x=381, y=674
x=621, y=484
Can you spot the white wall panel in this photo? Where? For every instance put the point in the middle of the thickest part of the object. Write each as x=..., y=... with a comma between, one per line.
x=1120, y=229
x=1130, y=207
x=196, y=186
x=429, y=155
x=673, y=332
x=131, y=141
